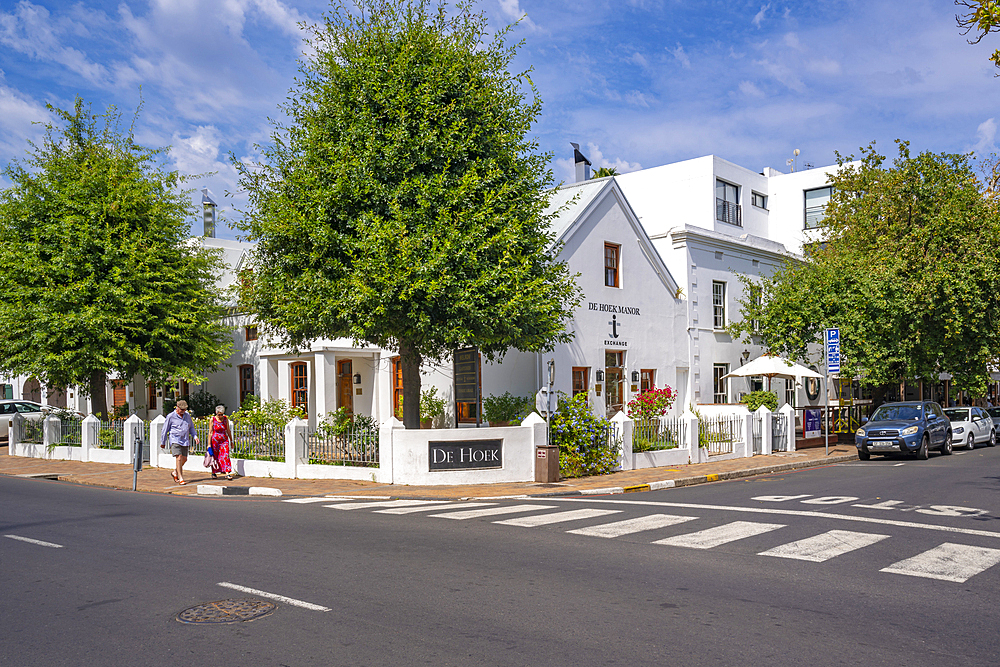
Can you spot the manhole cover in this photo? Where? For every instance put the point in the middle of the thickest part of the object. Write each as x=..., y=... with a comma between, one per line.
x=226, y=611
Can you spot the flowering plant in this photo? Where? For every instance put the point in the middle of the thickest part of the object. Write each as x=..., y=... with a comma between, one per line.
x=651, y=403
x=587, y=444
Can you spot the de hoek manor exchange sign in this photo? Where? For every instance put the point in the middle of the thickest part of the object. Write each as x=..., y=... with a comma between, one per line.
x=465, y=454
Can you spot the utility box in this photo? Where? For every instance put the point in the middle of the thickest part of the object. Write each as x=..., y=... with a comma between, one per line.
x=546, y=463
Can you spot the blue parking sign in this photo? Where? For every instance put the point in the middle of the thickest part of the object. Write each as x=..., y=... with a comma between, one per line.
x=832, y=350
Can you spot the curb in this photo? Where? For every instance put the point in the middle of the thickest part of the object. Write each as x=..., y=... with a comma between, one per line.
x=212, y=490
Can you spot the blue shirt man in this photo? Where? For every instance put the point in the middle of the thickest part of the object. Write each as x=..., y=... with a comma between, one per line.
x=178, y=430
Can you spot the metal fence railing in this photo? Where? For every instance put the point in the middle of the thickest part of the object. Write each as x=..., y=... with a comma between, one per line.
x=30, y=431
x=757, y=433
x=71, y=431
x=356, y=446
x=717, y=434
x=111, y=435
x=262, y=443
x=779, y=432
x=658, y=433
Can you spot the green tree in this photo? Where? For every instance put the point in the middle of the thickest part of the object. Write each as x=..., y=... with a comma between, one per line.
x=96, y=269
x=980, y=17
x=909, y=270
x=605, y=171
x=403, y=205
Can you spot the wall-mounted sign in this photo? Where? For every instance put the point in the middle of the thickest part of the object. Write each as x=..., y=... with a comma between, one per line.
x=465, y=454
x=613, y=308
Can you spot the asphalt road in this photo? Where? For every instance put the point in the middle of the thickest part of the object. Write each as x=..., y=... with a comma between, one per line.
x=890, y=562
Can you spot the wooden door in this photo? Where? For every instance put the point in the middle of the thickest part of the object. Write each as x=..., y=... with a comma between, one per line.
x=345, y=387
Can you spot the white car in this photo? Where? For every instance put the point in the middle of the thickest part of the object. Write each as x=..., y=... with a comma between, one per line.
x=8, y=407
x=971, y=427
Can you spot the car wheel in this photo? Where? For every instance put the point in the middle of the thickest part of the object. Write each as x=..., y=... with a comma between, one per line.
x=993, y=439
x=972, y=442
x=922, y=453
x=947, y=448
x=864, y=454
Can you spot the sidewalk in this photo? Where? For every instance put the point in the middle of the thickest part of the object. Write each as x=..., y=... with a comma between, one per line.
x=158, y=480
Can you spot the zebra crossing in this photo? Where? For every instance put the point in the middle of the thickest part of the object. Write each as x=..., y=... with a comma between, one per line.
x=946, y=562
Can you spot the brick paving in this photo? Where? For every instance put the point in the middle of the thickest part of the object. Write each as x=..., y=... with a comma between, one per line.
x=158, y=480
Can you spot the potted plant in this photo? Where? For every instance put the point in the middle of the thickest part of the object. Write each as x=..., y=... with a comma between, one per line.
x=506, y=408
x=430, y=407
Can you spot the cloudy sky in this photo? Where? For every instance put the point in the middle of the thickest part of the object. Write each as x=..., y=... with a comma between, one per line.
x=638, y=83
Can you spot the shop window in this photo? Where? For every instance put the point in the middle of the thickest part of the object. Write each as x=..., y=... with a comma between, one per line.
x=581, y=378
x=647, y=379
x=720, y=383
x=300, y=386
x=246, y=382
x=612, y=255
x=250, y=333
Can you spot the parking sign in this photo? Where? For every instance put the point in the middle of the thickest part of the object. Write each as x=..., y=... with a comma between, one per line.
x=833, y=350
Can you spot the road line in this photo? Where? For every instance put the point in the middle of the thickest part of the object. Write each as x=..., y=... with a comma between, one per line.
x=309, y=500
x=437, y=505
x=274, y=596
x=898, y=464
x=825, y=546
x=781, y=512
x=630, y=526
x=557, y=517
x=379, y=503
x=719, y=535
x=948, y=562
x=38, y=542
x=492, y=511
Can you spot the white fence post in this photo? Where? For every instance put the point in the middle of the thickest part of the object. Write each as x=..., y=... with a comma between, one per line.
x=132, y=426
x=690, y=422
x=295, y=445
x=766, y=419
x=155, y=433
x=385, y=450
x=51, y=433
x=89, y=429
x=624, y=428
x=13, y=431
x=789, y=413
x=748, y=433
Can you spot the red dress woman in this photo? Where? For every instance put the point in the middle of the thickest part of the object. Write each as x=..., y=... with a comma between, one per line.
x=221, y=438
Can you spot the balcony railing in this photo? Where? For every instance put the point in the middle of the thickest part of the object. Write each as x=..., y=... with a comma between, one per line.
x=728, y=211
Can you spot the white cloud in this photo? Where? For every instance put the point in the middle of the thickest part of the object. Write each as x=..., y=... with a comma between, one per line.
x=824, y=66
x=759, y=16
x=512, y=10
x=782, y=74
x=597, y=158
x=639, y=59
x=681, y=57
x=750, y=90
x=791, y=40
x=986, y=133
x=636, y=98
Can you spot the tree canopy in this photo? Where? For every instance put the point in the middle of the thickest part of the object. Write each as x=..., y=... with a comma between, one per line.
x=403, y=205
x=908, y=269
x=980, y=17
x=97, y=270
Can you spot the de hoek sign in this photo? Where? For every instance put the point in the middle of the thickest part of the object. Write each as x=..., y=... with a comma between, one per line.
x=465, y=454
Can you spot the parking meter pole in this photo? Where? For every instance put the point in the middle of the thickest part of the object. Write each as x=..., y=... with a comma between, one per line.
x=136, y=460
x=826, y=394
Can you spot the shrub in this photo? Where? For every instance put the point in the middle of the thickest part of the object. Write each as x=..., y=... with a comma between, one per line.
x=755, y=399
x=585, y=444
x=651, y=403
x=202, y=403
x=430, y=405
x=506, y=407
x=274, y=412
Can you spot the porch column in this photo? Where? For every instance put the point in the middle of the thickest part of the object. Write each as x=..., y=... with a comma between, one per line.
x=319, y=382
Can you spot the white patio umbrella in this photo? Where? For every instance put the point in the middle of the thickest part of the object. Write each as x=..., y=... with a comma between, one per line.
x=773, y=367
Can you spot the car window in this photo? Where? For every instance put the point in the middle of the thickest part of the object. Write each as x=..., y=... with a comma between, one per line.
x=993, y=412
x=7, y=409
x=896, y=412
x=957, y=414
x=28, y=407
x=937, y=409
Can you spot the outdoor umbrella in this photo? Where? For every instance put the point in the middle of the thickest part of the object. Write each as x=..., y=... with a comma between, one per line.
x=773, y=367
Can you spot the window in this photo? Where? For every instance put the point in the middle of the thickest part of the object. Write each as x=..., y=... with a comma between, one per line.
x=759, y=200
x=581, y=379
x=246, y=382
x=611, y=257
x=614, y=359
x=300, y=386
x=727, y=203
x=756, y=383
x=118, y=393
x=718, y=305
x=721, y=384
x=816, y=201
x=790, y=392
x=397, y=389
x=754, y=297
x=150, y=396
x=250, y=332
x=646, y=378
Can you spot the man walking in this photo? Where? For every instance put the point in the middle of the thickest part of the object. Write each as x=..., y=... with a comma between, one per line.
x=178, y=430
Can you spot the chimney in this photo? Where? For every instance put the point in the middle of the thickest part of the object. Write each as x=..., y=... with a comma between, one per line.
x=582, y=164
x=209, y=207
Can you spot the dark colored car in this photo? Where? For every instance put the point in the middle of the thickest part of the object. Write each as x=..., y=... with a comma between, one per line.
x=911, y=427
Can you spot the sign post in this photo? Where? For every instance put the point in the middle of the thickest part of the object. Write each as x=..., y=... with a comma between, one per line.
x=831, y=345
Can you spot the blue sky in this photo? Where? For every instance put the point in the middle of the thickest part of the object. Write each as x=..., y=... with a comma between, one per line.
x=638, y=83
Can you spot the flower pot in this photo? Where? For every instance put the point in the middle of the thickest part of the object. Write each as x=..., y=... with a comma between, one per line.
x=499, y=423
x=426, y=423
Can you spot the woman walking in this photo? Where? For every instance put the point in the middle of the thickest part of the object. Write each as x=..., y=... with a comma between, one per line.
x=222, y=436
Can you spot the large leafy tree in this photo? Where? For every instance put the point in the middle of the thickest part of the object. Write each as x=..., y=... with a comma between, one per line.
x=909, y=269
x=97, y=270
x=979, y=17
x=403, y=205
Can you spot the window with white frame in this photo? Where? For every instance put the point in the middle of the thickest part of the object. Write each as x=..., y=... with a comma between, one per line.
x=720, y=384
x=754, y=296
x=727, y=203
x=815, y=206
x=756, y=382
x=790, y=392
x=718, y=305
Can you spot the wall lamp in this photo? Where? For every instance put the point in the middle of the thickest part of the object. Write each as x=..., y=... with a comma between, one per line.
x=635, y=377
x=746, y=355
x=357, y=378
x=599, y=376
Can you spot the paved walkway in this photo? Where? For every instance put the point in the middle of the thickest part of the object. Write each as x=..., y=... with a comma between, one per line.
x=158, y=480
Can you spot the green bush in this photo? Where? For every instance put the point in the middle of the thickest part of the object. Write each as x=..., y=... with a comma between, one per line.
x=430, y=405
x=274, y=412
x=585, y=447
x=506, y=407
x=755, y=399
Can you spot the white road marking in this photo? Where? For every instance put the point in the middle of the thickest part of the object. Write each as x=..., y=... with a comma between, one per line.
x=379, y=503
x=274, y=596
x=438, y=505
x=557, y=517
x=38, y=542
x=884, y=505
x=779, y=499
x=825, y=546
x=629, y=526
x=308, y=500
x=829, y=500
x=327, y=499
x=898, y=464
x=492, y=511
x=782, y=512
x=948, y=562
x=719, y=535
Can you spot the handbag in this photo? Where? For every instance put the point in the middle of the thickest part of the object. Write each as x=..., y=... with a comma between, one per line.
x=209, y=459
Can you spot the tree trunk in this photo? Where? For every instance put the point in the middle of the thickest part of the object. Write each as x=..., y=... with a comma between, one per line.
x=409, y=358
x=99, y=394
